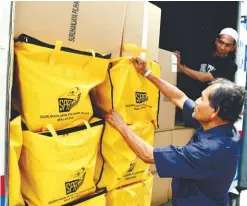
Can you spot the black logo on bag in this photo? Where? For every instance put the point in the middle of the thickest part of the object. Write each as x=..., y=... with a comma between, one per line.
x=141, y=97
x=69, y=100
x=76, y=181
x=132, y=165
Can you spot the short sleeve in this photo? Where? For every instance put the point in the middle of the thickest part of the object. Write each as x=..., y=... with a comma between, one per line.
x=188, y=109
x=227, y=72
x=191, y=161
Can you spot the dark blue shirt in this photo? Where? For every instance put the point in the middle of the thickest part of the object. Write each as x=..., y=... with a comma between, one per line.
x=202, y=170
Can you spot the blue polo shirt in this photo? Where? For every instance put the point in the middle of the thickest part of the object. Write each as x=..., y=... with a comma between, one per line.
x=202, y=170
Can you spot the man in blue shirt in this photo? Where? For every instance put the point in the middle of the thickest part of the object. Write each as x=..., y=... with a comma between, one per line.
x=202, y=170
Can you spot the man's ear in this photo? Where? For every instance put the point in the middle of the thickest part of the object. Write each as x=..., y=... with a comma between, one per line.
x=215, y=113
x=233, y=48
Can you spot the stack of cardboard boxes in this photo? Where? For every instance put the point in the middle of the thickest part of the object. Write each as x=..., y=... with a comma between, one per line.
x=142, y=27
x=79, y=25
x=101, y=26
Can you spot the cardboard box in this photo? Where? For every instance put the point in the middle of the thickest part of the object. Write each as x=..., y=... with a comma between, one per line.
x=181, y=136
x=160, y=193
x=168, y=66
x=167, y=110
x=153, y=35
x=80, y=24
x=142, y=27
x=166, y=117
x=161, y=186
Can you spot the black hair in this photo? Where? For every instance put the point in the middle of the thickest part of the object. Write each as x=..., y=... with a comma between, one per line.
x=234, y=41
x=228, y=98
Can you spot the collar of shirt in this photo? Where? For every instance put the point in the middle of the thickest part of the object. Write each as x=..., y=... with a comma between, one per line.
x=225, y=130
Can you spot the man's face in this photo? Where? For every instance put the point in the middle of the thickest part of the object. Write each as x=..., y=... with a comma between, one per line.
x=203, y=112
x=224, y=45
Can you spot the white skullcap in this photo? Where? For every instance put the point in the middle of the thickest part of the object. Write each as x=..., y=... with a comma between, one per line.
x=231, y=32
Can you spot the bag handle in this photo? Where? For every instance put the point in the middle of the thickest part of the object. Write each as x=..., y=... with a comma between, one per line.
x=57, y=49
x=51, y=129
x=131, y=193
x=79, y=122
x=92, y=52
x=145, y=185
x=90, y=60
x=134, y=49
x=52, y=58
x=146, y=191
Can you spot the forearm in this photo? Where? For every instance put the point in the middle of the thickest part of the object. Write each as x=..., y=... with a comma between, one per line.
x=203, y=77
x=169, y=90
x=143, y=150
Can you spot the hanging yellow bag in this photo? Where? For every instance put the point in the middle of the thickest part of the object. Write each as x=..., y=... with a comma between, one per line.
x=117, y=164
x=97, y=198
x=58, y=166
x=137, y=194
x=126, y=91
x=54, y=82
x=15, y=146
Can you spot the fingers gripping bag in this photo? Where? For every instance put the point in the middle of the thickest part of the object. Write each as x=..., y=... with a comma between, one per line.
x=128, y=92
x=54, y=82
x=58, y=167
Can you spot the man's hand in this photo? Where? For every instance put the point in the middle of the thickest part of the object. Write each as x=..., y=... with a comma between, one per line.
x=179, y=65
x=167, y=89
x=141, y=148
x=177, y=54
x=114, y=119
x=140, y=65
x=200, y=76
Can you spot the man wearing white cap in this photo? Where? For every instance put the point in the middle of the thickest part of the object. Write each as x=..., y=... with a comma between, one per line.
x=220, y=63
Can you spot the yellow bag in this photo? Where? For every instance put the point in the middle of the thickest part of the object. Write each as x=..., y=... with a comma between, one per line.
x=96, y=199
x=126, y=91
x=58, y=166
x=54, y=82
x=120, y=165
x=138, y=194
x=15, y=197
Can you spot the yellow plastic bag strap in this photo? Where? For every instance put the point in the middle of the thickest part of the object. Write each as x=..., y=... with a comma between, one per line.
x=131, y=193
x=92, y=51
x=145, y=185
x=57, y=49
x=91, y=59
x=79, y=122
x=117, y=59
x=146, y=191
x=54, y=53
x=87, y=124
x=136, y=51
x=51, y=129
